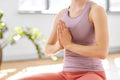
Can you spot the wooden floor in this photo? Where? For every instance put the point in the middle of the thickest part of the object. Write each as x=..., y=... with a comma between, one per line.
x=11, y=69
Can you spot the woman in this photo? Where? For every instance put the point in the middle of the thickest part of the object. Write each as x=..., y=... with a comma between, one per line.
x=81, y=30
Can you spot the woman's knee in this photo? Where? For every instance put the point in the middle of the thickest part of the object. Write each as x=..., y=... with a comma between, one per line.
x=91, y=76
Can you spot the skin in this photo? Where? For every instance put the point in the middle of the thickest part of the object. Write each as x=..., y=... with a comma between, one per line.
x=97, y=16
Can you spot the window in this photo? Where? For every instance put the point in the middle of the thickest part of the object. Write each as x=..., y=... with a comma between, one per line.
x=42, y=6
x=114, y=5
x=48, y=6
x=32, y=5
x=56, y=5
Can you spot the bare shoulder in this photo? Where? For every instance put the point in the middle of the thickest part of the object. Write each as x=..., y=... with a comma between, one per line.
x=97, y=9
x=60, y=14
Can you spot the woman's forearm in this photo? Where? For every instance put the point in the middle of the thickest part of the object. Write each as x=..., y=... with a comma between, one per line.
x=52, y=49
x=95, y=51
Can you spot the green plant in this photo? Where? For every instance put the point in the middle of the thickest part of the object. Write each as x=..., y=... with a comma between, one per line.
x=3, y=27
x=33, y=34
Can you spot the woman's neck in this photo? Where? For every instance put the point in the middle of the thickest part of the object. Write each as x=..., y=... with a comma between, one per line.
x=78, y=3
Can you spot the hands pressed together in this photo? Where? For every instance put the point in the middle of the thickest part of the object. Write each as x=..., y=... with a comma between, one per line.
x=63, y=34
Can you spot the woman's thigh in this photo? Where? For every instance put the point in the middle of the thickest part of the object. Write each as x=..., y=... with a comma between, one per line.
x=92, y=76
x=45, y=76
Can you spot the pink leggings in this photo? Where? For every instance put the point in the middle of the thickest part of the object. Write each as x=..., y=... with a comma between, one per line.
x=84, y=75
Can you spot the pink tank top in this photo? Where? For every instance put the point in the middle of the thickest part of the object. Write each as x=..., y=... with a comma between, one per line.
x=83, y=33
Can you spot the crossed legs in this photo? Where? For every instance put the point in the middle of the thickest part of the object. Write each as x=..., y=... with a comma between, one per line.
x=84, y=75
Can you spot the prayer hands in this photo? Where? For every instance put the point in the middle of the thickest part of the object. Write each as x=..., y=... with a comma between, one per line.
x=64, y=36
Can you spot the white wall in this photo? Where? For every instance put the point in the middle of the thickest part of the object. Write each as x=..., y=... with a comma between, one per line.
x=24, y=49
x=114, y=29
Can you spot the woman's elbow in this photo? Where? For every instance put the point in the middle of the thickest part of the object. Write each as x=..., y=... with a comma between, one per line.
x=46, y=50
x=103, y=54
x=49, y=51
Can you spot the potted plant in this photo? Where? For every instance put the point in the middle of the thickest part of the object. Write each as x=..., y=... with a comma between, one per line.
x=33, y=34
x=3, y=29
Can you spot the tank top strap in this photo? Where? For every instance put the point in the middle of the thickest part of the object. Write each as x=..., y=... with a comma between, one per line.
x=85, y=9
x=88, y=6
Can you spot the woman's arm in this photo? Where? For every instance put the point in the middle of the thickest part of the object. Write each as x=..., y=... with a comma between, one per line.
x=100, y=49
x=53, y=45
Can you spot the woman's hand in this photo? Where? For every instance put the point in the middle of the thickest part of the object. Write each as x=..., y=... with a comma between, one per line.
x=64, y=35
x=59, y=46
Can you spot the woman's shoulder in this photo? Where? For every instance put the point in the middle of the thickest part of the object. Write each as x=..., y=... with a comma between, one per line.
x=96, y=8
x=60, y=13
x=96, y=12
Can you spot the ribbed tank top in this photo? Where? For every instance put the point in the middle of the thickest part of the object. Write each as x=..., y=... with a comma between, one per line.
x=83, y=33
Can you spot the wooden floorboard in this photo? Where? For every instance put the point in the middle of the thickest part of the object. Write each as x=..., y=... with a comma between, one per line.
x=8, y=69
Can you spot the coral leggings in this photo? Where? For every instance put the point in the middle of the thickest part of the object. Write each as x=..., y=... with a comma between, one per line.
x=84, y=75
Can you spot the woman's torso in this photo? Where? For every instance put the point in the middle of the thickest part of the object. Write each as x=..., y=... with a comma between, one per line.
x=83, y=33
